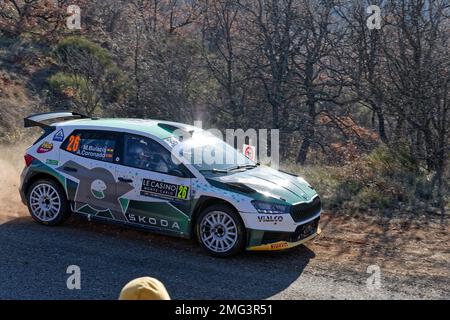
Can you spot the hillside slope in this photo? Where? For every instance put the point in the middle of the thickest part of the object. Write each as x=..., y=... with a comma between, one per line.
x=21, y=67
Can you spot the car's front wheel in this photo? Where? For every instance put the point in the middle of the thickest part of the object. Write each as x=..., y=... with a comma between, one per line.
x=47, y=202
x=221, y=231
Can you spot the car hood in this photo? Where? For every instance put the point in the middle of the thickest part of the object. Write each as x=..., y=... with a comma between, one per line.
x=271, y=183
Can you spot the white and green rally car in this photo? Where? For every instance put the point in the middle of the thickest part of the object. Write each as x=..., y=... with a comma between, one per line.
x=126, y=171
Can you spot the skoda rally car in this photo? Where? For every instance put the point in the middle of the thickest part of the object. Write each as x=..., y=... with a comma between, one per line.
x=141, y=173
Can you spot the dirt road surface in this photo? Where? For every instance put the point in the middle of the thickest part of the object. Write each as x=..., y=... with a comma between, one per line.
x=412, y=255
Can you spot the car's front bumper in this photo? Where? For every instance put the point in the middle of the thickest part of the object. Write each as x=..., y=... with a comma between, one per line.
x=283, y=245
x=260, y=240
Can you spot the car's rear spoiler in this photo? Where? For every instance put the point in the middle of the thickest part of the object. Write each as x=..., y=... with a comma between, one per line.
x=36, y=120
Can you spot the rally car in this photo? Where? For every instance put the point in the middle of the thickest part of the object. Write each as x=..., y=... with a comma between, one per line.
x=148, y=174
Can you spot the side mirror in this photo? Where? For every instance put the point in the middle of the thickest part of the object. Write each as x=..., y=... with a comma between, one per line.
x=177, y=173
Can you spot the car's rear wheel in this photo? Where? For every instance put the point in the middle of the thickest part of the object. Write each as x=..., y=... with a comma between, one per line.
x=47, y=202
x=220, y=231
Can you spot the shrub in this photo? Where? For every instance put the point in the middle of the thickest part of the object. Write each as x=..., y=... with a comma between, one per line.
x=382, y=179
x=88, y=76
x=71, y=49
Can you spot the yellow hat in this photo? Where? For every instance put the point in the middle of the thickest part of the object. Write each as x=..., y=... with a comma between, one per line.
x=144, y=288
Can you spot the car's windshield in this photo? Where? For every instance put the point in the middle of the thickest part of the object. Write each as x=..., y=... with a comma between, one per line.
x=209, y=153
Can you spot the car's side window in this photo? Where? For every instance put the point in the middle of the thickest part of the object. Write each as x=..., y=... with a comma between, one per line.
x=144, y=153
x=97, y=145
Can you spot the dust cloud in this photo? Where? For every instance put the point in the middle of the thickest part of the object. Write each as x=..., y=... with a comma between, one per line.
x=11, y=165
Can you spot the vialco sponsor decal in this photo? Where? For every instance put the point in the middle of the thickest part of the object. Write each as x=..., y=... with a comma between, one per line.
x=164, y=189
x=270, y=219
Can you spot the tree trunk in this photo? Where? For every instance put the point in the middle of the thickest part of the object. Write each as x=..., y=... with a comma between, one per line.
x=381, y=126
x=309, y=133
x=311, y=103
x=303, y=152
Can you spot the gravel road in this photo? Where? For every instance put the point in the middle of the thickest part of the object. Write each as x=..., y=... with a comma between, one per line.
x=34, y=261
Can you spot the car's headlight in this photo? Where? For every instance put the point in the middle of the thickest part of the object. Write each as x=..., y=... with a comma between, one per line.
x=270, y=208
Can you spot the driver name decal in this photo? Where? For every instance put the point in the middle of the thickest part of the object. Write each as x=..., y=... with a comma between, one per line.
x=163, y=189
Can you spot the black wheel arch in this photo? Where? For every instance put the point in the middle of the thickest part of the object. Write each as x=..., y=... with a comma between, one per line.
x=202, y=203
x=32, y=178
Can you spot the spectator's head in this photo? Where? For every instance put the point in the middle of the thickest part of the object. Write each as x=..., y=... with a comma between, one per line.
x=144, y=288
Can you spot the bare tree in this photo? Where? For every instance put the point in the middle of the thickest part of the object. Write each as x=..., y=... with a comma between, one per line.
x=317, y=66
x=365, y=61
x=269, y=35
x=219, y=37
x=417, y=63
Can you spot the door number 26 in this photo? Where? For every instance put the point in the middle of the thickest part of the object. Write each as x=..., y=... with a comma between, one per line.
x=182, y=192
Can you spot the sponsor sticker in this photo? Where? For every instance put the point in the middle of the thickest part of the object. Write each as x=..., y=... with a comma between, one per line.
x=270, y=219
x=150, y=221
x=172, y=141
x=59, y=136
x=45, y=147
x=52, y=162
x=163, y=189
x=279, y=245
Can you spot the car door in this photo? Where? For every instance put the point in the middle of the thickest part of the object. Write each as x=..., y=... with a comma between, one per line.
x=88, y=161
x=161, y=198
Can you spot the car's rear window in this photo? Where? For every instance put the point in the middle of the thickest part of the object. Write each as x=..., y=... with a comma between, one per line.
x=46, y=132
x=97, y=145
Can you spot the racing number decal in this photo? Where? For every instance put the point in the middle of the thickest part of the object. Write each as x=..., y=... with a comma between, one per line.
x=182, y=192
x=74, y=144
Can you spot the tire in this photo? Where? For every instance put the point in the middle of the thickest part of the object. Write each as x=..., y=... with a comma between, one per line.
x=220, y=231
x=47, y=202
